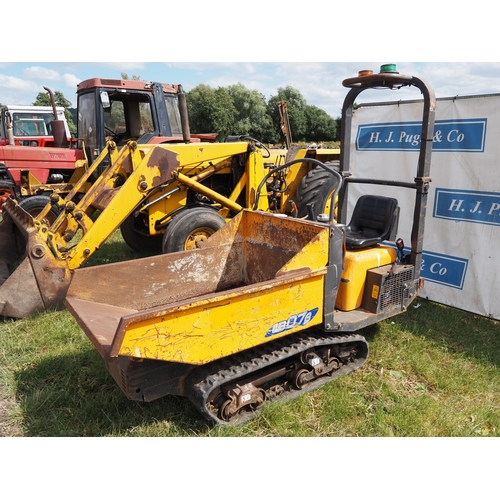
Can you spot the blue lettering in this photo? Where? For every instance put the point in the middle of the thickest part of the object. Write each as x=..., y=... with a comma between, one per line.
x=469, y=206
x=466, y=135
x=294, y=321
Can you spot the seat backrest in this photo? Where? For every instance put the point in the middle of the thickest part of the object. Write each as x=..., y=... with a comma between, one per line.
x=374, y=220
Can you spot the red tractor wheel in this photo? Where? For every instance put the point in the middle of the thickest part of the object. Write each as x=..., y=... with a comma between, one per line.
x=6, y=190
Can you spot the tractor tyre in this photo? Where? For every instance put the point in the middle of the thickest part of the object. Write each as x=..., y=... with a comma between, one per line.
x=135, y=231
x=190, y=227
x=35, y=204
x=6, y=190
x=316, y=188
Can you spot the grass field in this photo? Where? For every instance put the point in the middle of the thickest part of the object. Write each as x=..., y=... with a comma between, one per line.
x=433, y=371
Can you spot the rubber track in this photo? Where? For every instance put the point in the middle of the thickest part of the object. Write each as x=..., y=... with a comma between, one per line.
x=241, y=365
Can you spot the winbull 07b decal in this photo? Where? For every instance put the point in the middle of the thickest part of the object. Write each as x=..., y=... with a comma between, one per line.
x=449, y=135
x=300, y=319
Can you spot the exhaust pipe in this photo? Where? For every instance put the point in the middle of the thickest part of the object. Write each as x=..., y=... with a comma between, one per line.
x=186, y=134
x=10, y=129
x=58, y=131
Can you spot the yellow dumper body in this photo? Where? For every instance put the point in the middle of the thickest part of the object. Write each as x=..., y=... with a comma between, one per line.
x=258, y=278
x=261, y=289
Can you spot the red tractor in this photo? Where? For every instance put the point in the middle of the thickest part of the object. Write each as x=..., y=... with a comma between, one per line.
x=122, y=110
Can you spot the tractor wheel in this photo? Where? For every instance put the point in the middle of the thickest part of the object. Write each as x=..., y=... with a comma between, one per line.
x=6, y=190
x=316, y=188
x=190, y=227
x=35, y=204
x=135, y=234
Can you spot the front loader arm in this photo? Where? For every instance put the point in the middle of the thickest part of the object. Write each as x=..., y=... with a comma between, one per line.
x=156, y=167
x=43, y=265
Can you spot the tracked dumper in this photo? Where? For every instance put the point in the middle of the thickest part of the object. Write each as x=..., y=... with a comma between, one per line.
x=197, y=320
x=268, y=307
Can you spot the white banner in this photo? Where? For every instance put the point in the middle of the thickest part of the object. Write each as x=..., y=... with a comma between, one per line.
x=462, y=229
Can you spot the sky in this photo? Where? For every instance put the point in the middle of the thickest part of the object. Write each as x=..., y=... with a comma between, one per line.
x=264, y=45
x=320, y=83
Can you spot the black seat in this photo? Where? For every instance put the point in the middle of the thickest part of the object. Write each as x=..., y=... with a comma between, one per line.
x=375, y=219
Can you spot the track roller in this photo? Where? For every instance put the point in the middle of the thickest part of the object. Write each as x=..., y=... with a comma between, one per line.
x=232, y=390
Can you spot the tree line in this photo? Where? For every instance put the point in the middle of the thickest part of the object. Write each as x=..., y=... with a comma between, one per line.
x=237, y=110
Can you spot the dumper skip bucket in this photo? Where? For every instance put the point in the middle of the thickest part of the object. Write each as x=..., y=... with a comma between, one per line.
x=258, y=278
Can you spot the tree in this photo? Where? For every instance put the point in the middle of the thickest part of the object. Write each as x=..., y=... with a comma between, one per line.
x=338, y=121
x=43, y=99
x=233, y=110
x=236, y=110
x=126, y=77
x=251, y=117
x=211, y=110
x=320, y=125
x=296, y=106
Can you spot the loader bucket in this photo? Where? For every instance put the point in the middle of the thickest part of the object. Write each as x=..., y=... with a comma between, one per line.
x=258, y=278
x=31, y=279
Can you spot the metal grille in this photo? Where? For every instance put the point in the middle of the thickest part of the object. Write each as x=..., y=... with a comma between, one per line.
x=393, y=290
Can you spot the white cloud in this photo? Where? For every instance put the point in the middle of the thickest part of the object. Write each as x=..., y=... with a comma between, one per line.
x=17, y=84
x=122, y=66
x=15, y=90
x=39, y=73
x=71, y=80
x=200, y=66
x=451, y=79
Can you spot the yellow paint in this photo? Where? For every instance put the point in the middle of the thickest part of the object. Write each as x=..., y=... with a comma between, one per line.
x=141, y=176
x=217, y=326
x=356, y=263
x=314, y=255
x=275, y=299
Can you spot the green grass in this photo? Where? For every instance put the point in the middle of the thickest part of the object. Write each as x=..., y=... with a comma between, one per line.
x=433, y=371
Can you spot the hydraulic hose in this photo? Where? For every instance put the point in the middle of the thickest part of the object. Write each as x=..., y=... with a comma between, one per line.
x=303, y=160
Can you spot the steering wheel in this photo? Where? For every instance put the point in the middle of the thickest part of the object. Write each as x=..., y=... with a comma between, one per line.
x=115, y=136
x=110, y=132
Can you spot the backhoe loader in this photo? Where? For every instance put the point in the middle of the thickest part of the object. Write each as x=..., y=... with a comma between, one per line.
x=270, y=306
x=163, y=197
